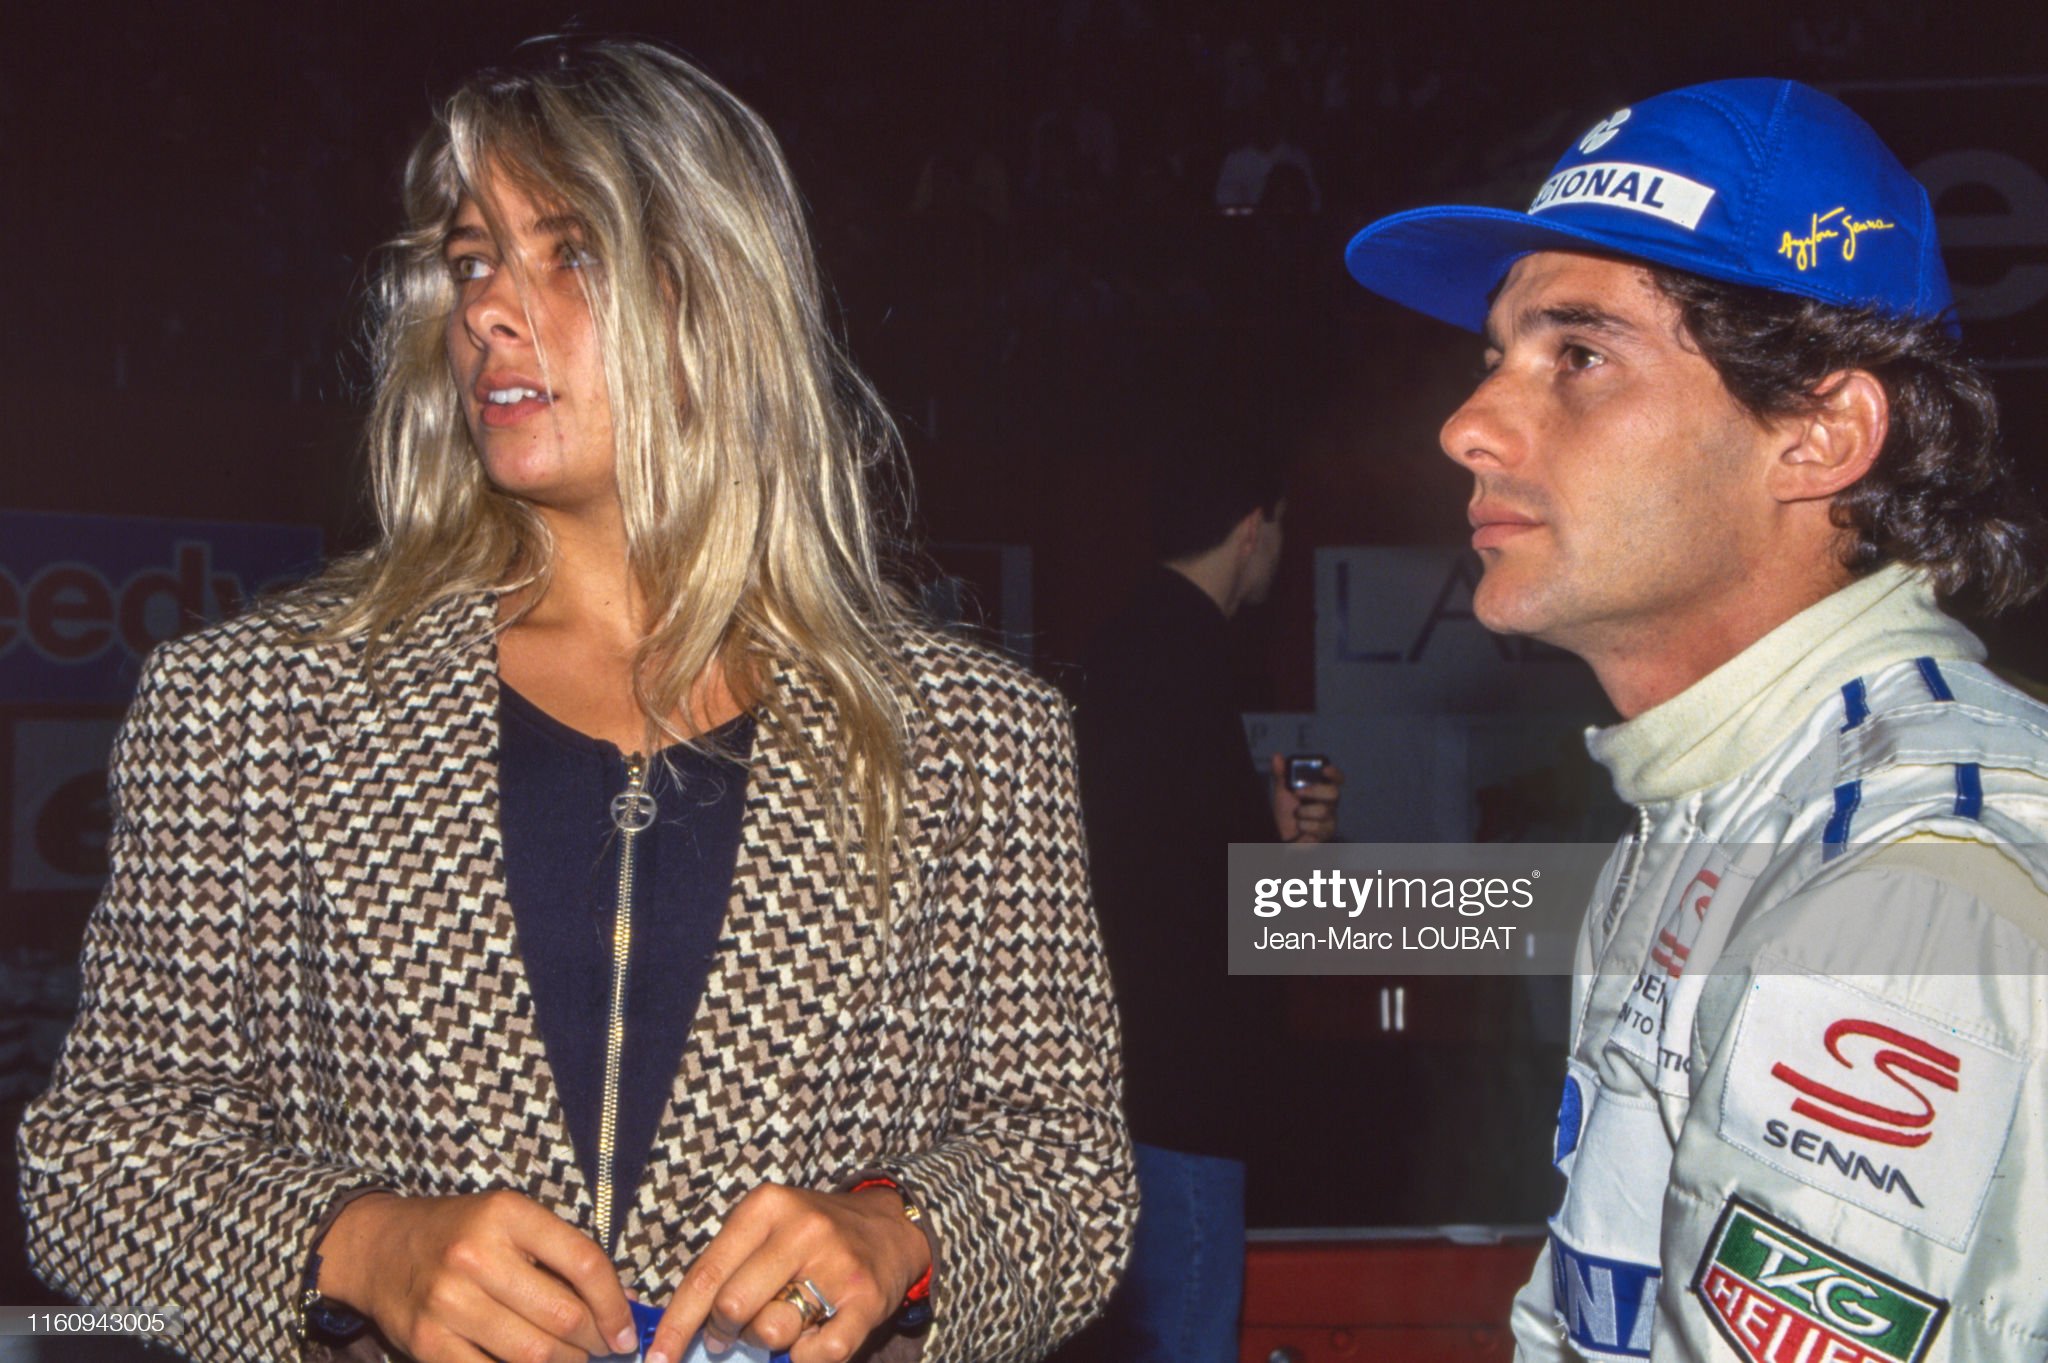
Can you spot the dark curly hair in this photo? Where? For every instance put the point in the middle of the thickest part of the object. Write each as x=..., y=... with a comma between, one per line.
x=1941, y=496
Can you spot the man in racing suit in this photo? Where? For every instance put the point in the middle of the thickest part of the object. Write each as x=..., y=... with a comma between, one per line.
x=1728, y=452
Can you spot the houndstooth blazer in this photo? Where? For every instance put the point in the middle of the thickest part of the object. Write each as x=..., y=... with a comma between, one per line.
x=303, y=978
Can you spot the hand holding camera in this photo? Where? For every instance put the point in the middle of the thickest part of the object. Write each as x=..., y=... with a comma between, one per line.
x=1305, y=794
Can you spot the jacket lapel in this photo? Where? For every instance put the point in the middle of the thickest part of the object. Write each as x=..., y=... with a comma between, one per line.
x=797, y=957
x=401, y=829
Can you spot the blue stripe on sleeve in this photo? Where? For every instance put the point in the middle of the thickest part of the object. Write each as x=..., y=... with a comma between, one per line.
x=1937, y=685
x=1855, y=704
x=1969, y=790
x=1847, y=796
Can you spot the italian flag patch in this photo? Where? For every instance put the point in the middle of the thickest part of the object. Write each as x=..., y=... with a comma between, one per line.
x=1779, y=1296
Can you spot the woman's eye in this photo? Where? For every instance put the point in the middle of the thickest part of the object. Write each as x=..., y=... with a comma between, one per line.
x=577, y=257
x=462, y=269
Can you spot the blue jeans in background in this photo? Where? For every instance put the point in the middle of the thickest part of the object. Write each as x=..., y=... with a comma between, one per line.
x=1180, y=1298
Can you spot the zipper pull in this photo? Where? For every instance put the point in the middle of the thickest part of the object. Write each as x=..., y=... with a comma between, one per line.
x=633, y=807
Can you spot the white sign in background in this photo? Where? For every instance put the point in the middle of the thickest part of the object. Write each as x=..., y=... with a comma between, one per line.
x=1395, y=633
x=1446, y=731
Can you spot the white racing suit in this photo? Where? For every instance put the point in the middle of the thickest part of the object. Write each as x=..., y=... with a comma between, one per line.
x=1806, y=1113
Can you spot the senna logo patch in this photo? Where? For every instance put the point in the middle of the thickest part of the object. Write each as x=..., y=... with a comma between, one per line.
x=1870, y=1102
x=1779, y=1296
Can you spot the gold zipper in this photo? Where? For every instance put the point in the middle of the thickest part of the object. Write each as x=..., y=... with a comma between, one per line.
x=632, y=811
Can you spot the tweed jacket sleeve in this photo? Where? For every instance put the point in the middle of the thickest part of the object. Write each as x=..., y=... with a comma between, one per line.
x=304, y=978
x=1028, y=1187
x=155, y=1135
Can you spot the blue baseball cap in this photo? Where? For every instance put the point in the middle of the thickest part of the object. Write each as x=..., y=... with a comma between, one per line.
x=1767, y=183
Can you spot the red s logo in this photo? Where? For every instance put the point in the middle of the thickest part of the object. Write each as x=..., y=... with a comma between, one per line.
x=1913, y=1057
x=1670, y=953
x=1708, y=881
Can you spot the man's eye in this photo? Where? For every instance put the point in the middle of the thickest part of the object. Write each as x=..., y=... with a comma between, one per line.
x=462, y=269
x=1579, y=357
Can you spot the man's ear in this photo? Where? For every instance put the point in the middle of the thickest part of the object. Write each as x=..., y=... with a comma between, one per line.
x=1828, y=449
x=1244, y=536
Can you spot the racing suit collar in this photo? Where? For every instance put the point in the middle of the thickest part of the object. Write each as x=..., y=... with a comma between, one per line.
x=1731, y=717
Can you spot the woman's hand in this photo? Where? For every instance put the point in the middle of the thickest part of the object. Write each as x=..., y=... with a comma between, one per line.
x=858, y=1249
x=460, y=1279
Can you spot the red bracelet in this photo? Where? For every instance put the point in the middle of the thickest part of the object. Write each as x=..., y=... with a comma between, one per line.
x=912, y=1213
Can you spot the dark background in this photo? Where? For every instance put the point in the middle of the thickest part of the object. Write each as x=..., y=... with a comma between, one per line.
x=193, y=192
x=195, y=189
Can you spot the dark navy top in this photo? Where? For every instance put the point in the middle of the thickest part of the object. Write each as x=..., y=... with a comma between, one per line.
x=555, y=790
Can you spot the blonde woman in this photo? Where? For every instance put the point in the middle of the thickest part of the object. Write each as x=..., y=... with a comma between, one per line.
x=600, y=887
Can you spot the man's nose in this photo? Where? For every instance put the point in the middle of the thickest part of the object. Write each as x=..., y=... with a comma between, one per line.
x=1481, y=433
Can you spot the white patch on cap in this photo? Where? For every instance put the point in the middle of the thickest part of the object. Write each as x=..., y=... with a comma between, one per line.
x=1621, y=184
x=1602, y=132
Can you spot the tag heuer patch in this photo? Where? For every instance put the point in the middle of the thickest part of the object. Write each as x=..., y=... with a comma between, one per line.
x=1779, y=1296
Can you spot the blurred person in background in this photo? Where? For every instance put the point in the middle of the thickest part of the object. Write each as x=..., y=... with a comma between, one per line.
x=1168, y=783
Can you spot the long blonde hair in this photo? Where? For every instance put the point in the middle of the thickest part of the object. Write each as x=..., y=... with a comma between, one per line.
x=745, y=439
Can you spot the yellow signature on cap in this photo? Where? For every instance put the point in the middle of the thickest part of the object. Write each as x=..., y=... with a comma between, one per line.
x=1805, y=251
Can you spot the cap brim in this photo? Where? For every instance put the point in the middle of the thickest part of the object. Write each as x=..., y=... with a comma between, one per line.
x=1446, y=262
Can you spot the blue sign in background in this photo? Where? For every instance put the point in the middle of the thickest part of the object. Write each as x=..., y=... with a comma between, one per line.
x=83, y=598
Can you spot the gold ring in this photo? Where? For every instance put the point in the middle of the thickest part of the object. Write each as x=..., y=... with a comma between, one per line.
x=800, y=1300
x=826, y=1310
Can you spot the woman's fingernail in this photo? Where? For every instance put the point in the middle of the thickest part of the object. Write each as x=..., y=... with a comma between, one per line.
x=626, y=1341
x=656, y=1356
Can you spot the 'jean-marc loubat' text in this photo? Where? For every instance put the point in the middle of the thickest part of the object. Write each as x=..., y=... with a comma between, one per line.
x=1429, y=937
